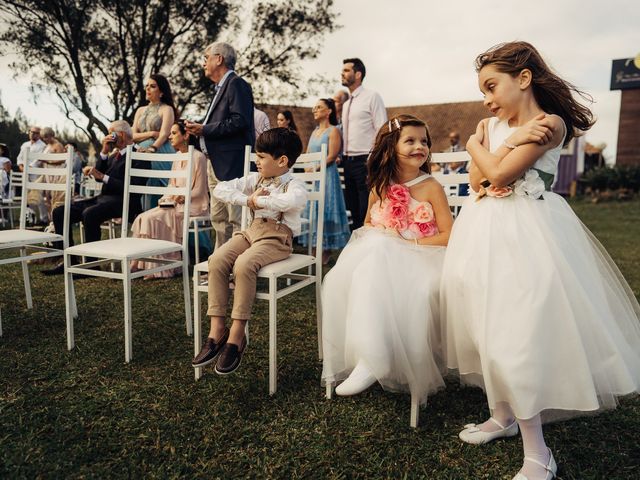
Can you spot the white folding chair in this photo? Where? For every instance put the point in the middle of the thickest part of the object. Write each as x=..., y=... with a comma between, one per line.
x=284, y=269
x=124, y=249
x=451, y=182
x=30, y=242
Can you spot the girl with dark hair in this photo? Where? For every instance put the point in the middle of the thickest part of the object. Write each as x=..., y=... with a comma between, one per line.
x=336, y=224
x=284, y=119
x=536, y=311
x=380, y=300
x=151, y=128
x=164, y=222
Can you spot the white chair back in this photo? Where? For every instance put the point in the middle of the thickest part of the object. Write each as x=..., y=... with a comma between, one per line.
x=131, y=186
x=57, y=179
x=15, y=183
x=452, y=181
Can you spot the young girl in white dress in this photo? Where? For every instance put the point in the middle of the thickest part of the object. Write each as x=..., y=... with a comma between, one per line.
x=536, y=311
x=380, y=300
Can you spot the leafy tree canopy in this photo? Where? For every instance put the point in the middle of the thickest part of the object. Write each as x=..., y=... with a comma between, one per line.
x=95, y=55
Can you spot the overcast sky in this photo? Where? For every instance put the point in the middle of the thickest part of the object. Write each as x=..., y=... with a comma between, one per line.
x=421, y=52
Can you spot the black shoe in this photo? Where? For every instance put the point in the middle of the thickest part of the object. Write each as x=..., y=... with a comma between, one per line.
x=57, y=270
x=230, y=358
x=210, y=350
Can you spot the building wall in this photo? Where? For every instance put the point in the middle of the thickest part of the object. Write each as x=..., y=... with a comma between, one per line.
x=629, y=128
x=441, y=119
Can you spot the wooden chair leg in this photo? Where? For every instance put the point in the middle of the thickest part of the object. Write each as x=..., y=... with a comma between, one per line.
x=187, y=294
x=318, y=285
x=415, y=409
x=70, y=303
x=128, y=343
x=196, y=241
x=25, y=277
x=273, y=335
x=197, y=334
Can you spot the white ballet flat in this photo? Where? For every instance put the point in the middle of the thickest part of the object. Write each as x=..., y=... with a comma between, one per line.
x=359, y=380
x=472, y=433
x=550, y=467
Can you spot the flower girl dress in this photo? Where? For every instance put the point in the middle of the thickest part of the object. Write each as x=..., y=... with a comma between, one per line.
x=380, y=300
x=536, y=311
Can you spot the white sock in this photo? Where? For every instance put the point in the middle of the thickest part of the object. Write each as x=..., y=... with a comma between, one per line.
x=501, y=414
x=534, y=447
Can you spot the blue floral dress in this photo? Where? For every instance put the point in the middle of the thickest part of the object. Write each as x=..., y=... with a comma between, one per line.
x=336, y=224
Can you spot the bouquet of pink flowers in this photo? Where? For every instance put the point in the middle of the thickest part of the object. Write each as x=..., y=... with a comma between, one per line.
x=395, y=213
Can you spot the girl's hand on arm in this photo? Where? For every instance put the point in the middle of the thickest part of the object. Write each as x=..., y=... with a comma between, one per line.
x=537, y=130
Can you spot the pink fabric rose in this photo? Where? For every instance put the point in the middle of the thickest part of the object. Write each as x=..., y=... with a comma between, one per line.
x=423, y=213
x=397, y=216
x=428, y=229
x=499, y=192
x=398, y=194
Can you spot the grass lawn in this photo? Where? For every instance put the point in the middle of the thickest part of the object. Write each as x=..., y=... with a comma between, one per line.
x=87, y=414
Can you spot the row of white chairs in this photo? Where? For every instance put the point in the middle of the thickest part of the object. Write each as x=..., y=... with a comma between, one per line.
x=283, y=278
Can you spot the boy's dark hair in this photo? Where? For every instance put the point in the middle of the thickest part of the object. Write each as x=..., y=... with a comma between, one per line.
x=280, y=141
x=358, y=66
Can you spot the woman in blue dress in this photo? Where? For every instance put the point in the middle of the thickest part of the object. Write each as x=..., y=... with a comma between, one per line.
x=336, y=225
x=151, y=129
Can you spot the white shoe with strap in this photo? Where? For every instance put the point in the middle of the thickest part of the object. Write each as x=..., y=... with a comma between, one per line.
x=474, y=435
x=550, y=468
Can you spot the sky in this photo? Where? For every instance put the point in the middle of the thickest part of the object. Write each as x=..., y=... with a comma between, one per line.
x=422, y=51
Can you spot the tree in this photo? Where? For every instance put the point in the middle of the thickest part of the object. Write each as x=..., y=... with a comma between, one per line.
x=96, y=55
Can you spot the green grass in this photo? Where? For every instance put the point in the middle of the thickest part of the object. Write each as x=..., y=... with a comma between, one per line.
x=87, y=414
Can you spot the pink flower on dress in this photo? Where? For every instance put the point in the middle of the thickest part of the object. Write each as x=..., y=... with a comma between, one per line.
x=498, y=192
x=428, y=229
x=398, y=194
x=397, y=216
x=423, y=213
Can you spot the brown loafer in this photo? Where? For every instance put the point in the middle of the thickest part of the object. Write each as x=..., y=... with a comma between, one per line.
x=230, y=358
x=210, y=350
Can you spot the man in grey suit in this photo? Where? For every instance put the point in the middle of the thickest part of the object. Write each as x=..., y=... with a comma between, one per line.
x=226, y=129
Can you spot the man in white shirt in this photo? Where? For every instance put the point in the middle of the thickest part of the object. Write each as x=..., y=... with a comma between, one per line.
x=260, y=121
x=34, y=145
x=362, y=116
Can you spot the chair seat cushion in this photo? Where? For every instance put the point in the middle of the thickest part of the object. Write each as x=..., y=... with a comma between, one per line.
x=123, y=248
x=19, y=238
x=294, y=262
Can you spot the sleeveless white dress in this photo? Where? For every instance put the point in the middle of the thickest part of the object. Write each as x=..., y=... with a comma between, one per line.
x=380, y=304
x=536, y=311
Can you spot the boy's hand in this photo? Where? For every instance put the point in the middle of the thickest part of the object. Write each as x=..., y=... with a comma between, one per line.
x=251, y=201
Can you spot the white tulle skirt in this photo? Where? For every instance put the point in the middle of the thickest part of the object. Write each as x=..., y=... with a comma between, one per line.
x=535, y=311
x=380, y=305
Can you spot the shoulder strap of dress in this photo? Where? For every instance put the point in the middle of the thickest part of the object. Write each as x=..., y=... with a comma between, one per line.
x=416, y=180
